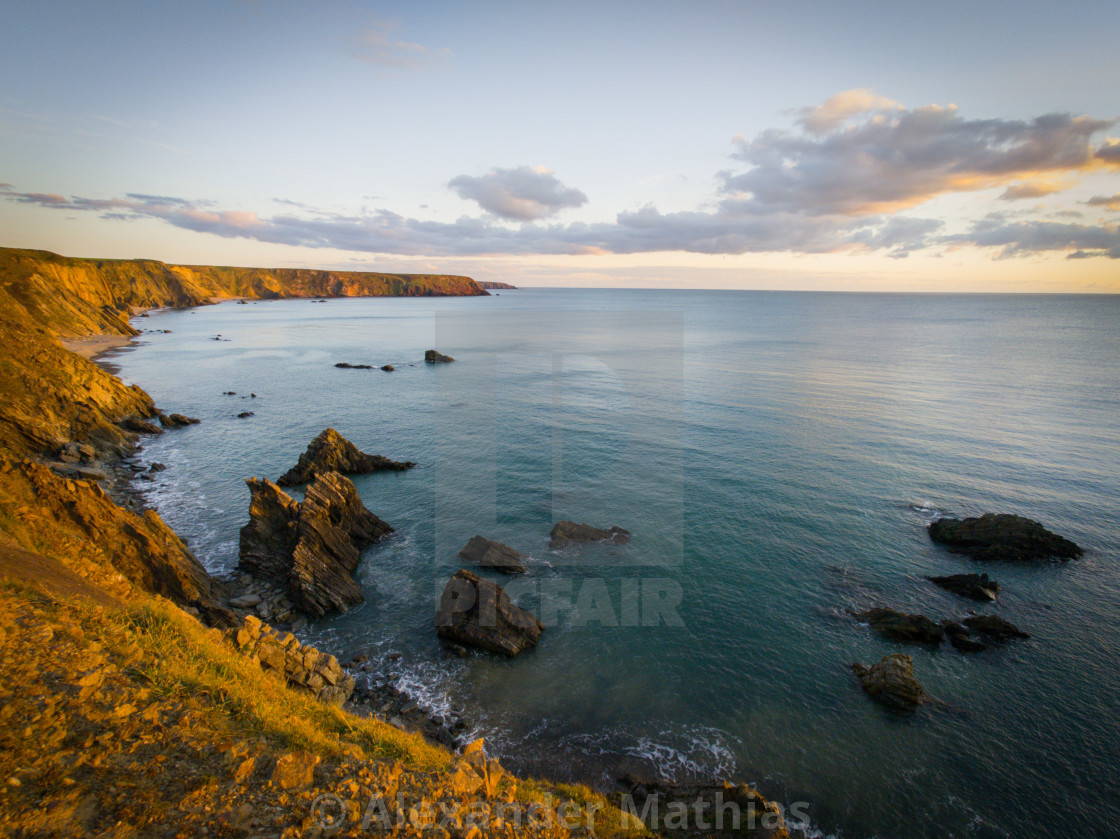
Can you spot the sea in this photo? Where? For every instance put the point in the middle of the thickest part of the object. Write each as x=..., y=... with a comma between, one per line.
x=777, y=457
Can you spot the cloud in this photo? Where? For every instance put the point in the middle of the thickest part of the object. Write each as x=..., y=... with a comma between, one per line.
x=830, y=114
x=1112, y=202
x=1030, y=189
x=844, y=180
x=377, y=46
x=1109, y=152
x=523, y=193
x=894, y=158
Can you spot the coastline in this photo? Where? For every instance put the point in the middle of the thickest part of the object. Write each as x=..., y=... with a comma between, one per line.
x=93, y=346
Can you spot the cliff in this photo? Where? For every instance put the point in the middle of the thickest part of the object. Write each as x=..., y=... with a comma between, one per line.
x=49, y=396
x=490, y=285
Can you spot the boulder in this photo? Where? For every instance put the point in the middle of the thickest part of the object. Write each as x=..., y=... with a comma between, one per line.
x=490, y=554
x=975, y=586
x=331, y=452
x=311, y=548
x=477, y=612
x=1002, y=537
x=565, y=533
x=388, y=368
x=710, y=809
x=995, y=626
x=176, y=420
x=433, y=357
x=245, y=415
x=891, y=682
x=916, y=629
x=140, y=426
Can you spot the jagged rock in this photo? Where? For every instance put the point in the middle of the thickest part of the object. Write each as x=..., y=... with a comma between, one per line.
x=334, y=526
x=331, y=452
x=176, y=420
x=140, y=426
x=975, y=586
x=313, y=547
x=388, y=368
x=995, y=626
x=1002, y=537
x=898, y=626
x=490, y=554
x=891, y=682
x=477, y=612
x=433, y=357
x=344, y=366
x=565, y=533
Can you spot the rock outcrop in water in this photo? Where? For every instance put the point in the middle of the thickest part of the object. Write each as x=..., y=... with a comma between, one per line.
x=312, y=547
x=1002, y=536
x=709, y=810
x=434, y=357
x=487, y=553
x=916, y=629
x=974, y=586
x=995, y=626
x=891, y=682
x=331, y=452
x=566, y=533
x=477, y=612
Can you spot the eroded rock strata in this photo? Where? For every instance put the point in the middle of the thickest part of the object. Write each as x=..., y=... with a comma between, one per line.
x=486, y=553
x=312, y=547
x=331, y=452
x=478, y=612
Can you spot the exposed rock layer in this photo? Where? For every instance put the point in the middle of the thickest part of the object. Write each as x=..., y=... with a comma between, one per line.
x=331, y=452
x=312, y=547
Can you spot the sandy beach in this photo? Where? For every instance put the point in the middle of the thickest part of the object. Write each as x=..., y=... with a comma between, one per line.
x=92, y=346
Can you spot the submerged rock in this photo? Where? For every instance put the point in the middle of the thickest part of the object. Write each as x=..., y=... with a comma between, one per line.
x=995, y=626
x=565, y=533
x=490, y=554
x=898, y=626
x=434, y=357
x=1002, y=537
x=891, y=682
x=342, y=365
x=331, y=452
x=976, y=586
x=477, y=612
x=313, y=547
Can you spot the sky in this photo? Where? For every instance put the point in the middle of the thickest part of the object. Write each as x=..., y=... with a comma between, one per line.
x=753, y=144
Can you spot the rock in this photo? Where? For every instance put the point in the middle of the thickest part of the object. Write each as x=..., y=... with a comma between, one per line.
x=245, y=601
x=477, y=612
x=1002, y=537
x=86, y=452
x=565, y=533
x=176, y=420
x=313, y=547
x=229, y=393
x=344, y=366
x=995, y=626
x=388, y=368
x=917, y=629
x=433, y=357
x=891, y=682
x=489, y=554
x=295, y=770
x=140, y=426
x=245, y=415
x=975, y=586
x=734, y=811
x=966, y=644
x=156, y=467
x=331, y=452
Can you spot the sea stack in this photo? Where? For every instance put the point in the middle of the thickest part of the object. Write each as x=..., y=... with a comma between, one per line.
x=331, y=452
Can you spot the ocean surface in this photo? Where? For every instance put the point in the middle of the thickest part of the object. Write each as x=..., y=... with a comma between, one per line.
x=777, y=456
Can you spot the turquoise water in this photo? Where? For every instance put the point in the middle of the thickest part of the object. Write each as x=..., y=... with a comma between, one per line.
x=777, y=457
